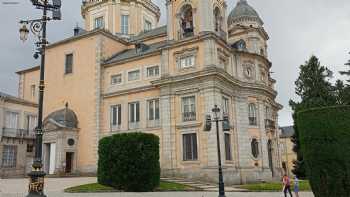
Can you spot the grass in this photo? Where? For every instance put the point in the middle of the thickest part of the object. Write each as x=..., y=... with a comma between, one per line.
x=303, y=186
x=98, y=188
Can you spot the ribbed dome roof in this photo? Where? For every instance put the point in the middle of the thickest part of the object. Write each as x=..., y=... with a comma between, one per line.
x=243, y=10
x=65, y=117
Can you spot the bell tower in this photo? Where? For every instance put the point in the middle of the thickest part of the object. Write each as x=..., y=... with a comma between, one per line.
x=187, y=18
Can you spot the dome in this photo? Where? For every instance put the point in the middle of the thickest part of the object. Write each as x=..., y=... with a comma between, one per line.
x=64, y=117
x=243, y=10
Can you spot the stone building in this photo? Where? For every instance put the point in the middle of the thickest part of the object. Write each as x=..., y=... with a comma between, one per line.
x=17, y=123
x=286, y=149
x=124, y=73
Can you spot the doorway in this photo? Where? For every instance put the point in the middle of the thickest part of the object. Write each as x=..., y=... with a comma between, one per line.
x=69, y=162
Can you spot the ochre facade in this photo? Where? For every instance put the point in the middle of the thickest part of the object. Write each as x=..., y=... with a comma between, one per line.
x=124, y=73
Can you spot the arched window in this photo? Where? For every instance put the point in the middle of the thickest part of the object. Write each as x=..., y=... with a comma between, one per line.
x=252, y=114
x=217, y=20
x=255, y=148
x=187, y=21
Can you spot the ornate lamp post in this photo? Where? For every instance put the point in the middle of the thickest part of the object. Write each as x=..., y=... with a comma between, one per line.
x=226, y=127
x=38, y=28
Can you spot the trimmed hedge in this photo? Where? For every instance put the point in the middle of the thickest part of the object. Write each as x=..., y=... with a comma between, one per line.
x=325, y=143
x=129, y=162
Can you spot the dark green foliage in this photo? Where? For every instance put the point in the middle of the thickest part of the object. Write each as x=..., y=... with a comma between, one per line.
x=324, y=135
x=347, y=73
x=314, y=89
x=129, y=162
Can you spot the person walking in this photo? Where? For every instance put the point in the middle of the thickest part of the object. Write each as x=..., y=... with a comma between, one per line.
x=296, y=186
x=286, y=186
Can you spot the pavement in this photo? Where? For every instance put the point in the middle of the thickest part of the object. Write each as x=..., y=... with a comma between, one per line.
x=54, y=188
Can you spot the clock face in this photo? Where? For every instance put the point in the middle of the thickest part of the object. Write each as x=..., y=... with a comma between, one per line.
x=71, y=142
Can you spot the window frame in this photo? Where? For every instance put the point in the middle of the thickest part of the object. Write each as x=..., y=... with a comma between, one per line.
x=7, y=162
x=134, y=71
x=193, y=143
x=124, y=24
x=228, y=147
x=101, y=19
x=252, y=114
x=155, y=74
x=33, y=91
x=255, y=148
x=6, y=121
x=148, y=25
x=116, y=122
x=116, y=75
x=134, y=114
x=190, y=107
x=68, y=70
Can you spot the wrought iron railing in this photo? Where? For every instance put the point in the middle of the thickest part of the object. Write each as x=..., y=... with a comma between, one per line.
x=18, y=133
x=270, y=124
x=189, y=116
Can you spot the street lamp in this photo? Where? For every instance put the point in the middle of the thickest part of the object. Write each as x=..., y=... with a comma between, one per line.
x=226, y=127
x=38, y=28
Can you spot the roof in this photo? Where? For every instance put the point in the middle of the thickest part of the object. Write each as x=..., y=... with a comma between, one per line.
x=287, y=132
x=34, y=68
x=243, y=10
x=15, y=99
x=147, y=34
x=136, y=52
x=65, y=118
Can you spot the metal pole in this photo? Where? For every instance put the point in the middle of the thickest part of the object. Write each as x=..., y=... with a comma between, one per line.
x=221, y=179
x=36, y=185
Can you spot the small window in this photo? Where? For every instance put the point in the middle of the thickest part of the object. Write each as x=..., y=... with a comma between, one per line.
x=153, y=71
x=116, y=116
x=189, y=108
x=228, y=149
x=31, y=122
x=187, y=61
x=125, y=24
x=190, y=152
x=225, y=105
x=11, y=120
x=148, y=25
x=9, y=156
x=99, y=23
x=252, y=115
x=32, y=91
x=69, y=64
x=134, y=112
x=255, y=148
x=153, y=109
x=116, y=79
x=30, y=148
x=134, y=75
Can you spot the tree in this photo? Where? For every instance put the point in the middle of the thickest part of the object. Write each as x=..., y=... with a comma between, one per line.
x=346, y=72
x=342, y=90
x=315, y=90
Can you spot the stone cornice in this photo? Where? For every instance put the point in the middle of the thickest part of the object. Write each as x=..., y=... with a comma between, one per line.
x=129, y=91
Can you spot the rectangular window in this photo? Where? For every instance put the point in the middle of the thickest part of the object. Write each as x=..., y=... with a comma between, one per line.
x=153, y=71
x=69, y=64
x=116, y=79
x=134, y=112
x=187, y=61
x=9, y=155
x=30, y=148
x=225, y=105
x=190, y=152
x=189, y=108
x=11, y=120
x=99, y=23
x=148, y=25
x=32, y=91
x=116, y=116
x=125, y=24
x=134, y=75
x=31, y=122
x=228, y=150
x=153, y=109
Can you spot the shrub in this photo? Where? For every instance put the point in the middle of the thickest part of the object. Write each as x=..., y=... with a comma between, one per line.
x=325, y=143
x=129, y=162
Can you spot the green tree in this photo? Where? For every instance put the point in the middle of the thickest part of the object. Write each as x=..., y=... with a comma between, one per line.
x=315, y=90
x=343, y=90
x=347, y=73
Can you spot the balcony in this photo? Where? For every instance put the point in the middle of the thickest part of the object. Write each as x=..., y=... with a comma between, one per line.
x=270, y=124
x=18, y=133
x=189, y=116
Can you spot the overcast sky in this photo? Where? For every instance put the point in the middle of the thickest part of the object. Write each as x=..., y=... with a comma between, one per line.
x=297, y=29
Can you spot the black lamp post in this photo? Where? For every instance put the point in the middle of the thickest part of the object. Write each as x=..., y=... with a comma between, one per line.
x=226, y=127
x=38, y=28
